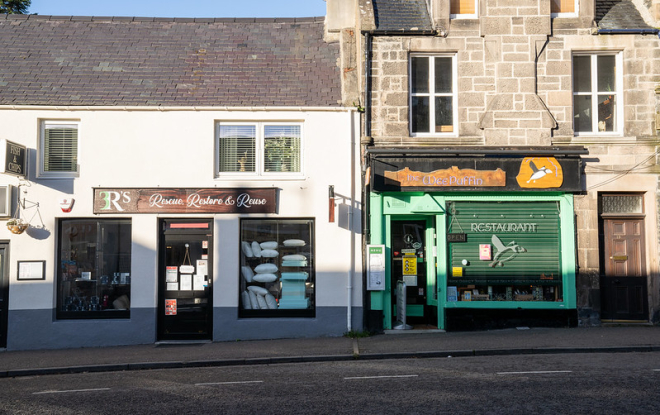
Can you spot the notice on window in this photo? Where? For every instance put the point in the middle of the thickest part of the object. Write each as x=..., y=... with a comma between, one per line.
x=376, y=267
x=199, y=282
x=409, y=264
x=170, y=307
x=172, y=286
x=171, y=274
x=186, y=282
x=202, y=267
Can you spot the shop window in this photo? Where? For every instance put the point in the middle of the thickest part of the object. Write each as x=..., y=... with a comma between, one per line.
x=463, y=9
x=94, y=276
x=277, y=277
x=511, y=252
x=563, y=8
x=433, y=95
x=259, y=149
x=597, y=94
x=58, y=145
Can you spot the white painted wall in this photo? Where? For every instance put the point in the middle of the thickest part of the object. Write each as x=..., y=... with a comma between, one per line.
x=143, y=148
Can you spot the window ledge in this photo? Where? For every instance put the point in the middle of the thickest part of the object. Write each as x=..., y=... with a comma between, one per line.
x=586, y=140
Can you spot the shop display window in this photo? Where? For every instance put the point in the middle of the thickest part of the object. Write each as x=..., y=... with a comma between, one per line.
x=276, y=275
x=94, y=276
x=508, y=251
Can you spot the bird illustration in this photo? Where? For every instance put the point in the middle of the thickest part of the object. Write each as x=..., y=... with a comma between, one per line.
x=512, y=247
x=538, y=173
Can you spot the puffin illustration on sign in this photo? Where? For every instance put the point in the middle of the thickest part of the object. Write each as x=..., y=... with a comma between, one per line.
x=512, y=249
x=540, y=173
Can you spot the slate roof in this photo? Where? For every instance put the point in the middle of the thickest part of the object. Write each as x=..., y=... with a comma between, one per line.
x=618, y=14
x=401, y=15
x=56, y=60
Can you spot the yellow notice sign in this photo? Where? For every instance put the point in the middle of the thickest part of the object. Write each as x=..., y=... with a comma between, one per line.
x=410, y=265
x=457, y=271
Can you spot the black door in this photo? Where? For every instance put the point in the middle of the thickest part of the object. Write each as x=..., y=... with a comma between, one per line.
x=624, y=285
x=4, y=292
x=185, y=307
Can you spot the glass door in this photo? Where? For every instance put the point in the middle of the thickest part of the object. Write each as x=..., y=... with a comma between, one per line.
x=412, y=251
x=185, y=310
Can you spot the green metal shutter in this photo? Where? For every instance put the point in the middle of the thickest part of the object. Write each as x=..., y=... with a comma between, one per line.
x=524, y=240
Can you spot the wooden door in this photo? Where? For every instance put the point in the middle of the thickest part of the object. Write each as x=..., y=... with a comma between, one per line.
x=624, y=285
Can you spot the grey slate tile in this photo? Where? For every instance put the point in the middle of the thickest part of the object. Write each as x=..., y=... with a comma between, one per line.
x=63, y=60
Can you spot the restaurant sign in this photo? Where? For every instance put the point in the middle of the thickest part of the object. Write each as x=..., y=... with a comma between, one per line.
x=185, y=200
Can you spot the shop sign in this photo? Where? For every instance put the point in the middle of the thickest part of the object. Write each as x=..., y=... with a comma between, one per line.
x=185, y=200
x=12, y=158
x=451, y=177
x=516, y=173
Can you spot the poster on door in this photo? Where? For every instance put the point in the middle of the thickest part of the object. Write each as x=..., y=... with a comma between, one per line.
x=170, y=307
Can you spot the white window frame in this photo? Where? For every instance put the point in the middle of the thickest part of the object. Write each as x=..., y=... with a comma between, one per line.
x=474, y=15
x=259, y=151
x=576, y=13
x=41, y=171
x=594, y=93
x=431, y=94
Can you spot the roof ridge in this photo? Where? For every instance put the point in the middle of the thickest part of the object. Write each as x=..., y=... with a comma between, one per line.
x=312, y=19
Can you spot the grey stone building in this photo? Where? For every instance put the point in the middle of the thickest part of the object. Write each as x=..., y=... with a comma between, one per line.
x=510, y=159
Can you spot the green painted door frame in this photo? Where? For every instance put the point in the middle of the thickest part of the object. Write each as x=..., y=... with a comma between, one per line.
x=386, y=207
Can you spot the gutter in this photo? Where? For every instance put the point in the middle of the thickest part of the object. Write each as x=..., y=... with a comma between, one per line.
x=485, y=151
x=629, y=32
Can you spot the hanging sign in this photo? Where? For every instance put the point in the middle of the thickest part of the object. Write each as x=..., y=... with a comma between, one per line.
x=183, y=200
x=456, y=237
x=13, y=158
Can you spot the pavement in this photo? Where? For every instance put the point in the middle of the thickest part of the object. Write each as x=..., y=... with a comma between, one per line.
x=391, y=345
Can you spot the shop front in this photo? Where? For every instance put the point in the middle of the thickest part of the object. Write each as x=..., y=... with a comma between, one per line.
x=474, y=240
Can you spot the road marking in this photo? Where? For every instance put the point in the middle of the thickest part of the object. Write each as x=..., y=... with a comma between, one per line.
x=536, y=372
x=380, y=377
x=229, y=383
x=72, y=391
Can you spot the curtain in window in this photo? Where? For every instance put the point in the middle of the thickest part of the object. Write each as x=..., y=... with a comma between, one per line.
x=463, y=7
x=562, y=6
x=61, y=148
x=281, y=148
x=237, y=148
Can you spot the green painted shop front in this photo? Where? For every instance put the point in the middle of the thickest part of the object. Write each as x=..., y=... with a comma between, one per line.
x=486, y=251
x=475, y=234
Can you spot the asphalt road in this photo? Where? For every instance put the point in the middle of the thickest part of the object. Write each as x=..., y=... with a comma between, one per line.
x=596, y=383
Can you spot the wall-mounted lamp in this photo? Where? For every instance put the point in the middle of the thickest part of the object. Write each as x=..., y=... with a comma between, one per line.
x=331, y=206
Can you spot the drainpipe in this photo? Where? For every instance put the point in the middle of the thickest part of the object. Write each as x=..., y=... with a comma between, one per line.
x=351, y=228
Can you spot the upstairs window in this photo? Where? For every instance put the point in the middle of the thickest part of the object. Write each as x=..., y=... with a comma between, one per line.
x=58, y=149
x=463, y=9
x=259, y=148
x=597, y=103
x=433, y=95
x=563, y=8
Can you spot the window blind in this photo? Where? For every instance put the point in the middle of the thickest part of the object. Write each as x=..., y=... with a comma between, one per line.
x=282, y=148
x=237, y=148
x=562, y=6
x=61, y=148
x=463, y=7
